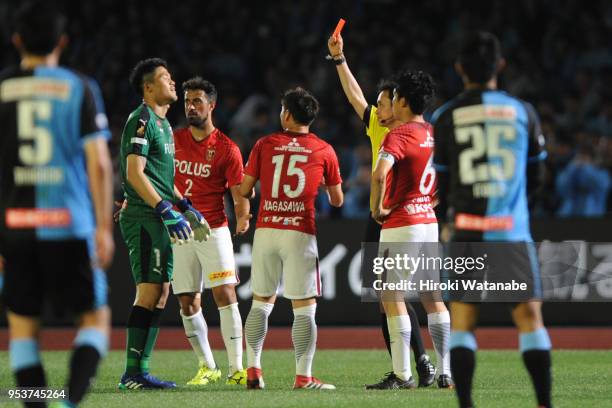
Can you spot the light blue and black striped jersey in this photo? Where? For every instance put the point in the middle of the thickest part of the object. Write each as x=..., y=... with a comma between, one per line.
x=47, y=115
x=485, y=140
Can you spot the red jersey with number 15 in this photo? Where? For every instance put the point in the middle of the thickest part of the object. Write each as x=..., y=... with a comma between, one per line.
x=411, y=183
x=290, y=168
x=205, y=170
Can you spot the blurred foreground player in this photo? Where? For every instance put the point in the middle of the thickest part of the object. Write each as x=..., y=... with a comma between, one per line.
x=208, y=163
x=488, y=152
x=290, y=166
x=379, y=120
x=149, y=224
x=56, y=223
x=403, y=188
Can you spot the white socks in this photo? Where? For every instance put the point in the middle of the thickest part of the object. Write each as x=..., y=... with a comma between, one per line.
x=256, y=328
x=231, y=330
x=197, y=334
x=439, y=330
x=399, y=334
x=304, y=337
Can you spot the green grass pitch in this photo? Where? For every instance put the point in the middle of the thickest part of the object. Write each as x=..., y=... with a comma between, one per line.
x=581, y=379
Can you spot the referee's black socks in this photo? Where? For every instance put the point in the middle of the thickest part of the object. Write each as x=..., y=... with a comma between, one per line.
x=385, y=331
x=416, y=341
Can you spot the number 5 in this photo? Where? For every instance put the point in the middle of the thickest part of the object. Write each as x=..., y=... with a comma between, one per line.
x=39, y=152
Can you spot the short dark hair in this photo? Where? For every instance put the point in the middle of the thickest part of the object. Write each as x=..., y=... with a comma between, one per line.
x=479, y=55
x=142, y=72
x=198, y=83
x=40, y=26
x=388, y=85
x=417, y=87
x=303, y=106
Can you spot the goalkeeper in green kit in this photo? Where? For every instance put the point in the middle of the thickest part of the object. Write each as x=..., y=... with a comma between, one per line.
x=148, y=222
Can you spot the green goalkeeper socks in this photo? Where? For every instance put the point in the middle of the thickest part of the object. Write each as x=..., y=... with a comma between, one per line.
x=137, y=333
x=151, y=340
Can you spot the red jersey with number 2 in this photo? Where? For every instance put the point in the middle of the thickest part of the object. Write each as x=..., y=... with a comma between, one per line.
x=290, y=168
x=205, y=170
x=411, y=183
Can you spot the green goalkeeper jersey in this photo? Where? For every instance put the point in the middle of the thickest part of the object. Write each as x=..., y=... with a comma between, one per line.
x=148, y=135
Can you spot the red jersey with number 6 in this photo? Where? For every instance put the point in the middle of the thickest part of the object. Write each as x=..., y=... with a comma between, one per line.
x=205, y=170
x=411, y=183
x=290, y=168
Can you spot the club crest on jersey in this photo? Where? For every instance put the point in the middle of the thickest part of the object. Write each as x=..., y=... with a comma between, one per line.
x=210, y=154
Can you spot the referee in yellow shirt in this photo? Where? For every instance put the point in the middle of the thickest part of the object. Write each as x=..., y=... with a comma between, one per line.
x=378, y=121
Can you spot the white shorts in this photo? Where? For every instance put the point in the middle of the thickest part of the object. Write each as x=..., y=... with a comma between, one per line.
x=407, y=241
x=208, y=264
x=287, y=254
x=411, y=233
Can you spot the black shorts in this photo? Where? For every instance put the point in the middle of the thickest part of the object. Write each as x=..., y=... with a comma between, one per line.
x=370, y=251
x=58, y=271
x=373, y=228
x=510, y=268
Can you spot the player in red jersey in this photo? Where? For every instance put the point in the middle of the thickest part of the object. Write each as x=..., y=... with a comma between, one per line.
x=403, y=186
x=207, y=164
x=290, y=166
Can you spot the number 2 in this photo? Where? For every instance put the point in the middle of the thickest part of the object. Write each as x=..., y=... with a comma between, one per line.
x=485, y=144
x=189, y=183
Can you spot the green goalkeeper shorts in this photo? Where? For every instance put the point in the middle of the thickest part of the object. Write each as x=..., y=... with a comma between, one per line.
x=149, y=247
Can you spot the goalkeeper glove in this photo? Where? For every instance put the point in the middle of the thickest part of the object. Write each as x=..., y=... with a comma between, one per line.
x=176, y=224
x=201, y=229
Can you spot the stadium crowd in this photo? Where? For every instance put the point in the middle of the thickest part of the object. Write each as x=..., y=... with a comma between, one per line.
x=558, y=59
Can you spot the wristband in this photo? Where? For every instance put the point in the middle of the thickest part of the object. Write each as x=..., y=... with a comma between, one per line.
x=183, y=204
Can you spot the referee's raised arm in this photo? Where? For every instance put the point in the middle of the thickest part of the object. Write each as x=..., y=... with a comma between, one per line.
x=351, y=88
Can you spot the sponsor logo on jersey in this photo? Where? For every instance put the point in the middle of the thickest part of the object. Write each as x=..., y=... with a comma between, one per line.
x=169, y=148
x=429, y=141
x=192, y=169
x=17, y=218
x=15, y=89
x=292, y=146
x=476, y=114
x=473, y=222
x=277, y=219
x=284, y=206
x=419, y=205
x=414, y=209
